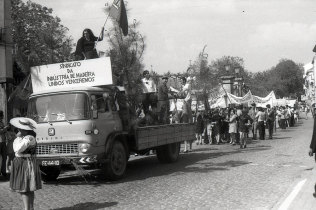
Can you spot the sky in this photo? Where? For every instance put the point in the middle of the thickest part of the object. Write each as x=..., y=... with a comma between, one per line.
x=260, y=31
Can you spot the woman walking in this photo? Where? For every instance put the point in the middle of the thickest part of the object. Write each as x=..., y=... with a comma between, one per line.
x=232, y=126
x=25, y=175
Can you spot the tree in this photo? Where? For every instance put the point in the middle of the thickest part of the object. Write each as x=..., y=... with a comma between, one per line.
x=218, y=66
x=40, y=38
x=204, y=78
x=285, y=79
x=226, y=66
x=126, y=57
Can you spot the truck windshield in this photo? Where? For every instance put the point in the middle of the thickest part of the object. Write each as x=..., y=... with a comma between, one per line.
x=54, y=108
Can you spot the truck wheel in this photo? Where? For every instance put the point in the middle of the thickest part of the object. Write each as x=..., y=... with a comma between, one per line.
x=168, y=153
x=50, y=173
x=115, y=168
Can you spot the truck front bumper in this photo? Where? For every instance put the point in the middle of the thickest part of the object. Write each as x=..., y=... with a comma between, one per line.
x=57, y=161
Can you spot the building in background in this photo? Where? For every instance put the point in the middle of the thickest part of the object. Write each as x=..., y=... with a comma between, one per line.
x=309, y=86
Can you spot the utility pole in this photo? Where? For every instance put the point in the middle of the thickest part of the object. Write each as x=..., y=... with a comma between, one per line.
x=6, y=47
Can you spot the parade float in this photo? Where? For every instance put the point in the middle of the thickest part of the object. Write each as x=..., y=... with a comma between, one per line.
x=84, y=119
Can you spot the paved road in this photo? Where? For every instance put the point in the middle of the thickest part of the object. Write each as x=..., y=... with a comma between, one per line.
x=211, y=177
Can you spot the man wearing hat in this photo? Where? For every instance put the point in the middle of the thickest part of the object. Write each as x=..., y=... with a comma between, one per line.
x=163, y=101
x=270, y=120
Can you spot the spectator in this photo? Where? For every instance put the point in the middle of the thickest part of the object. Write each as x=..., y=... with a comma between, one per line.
x=270, y=120
x=306, y=111
x=199, y=129
x=10, y=136
x=209, y=127
x=252, y=113
x=3, y=146
x=25, y=174
x=245, y=122
x=261, y=118
x=217, y=121
x=232, y=126
x=224, y=130
x=282, y=118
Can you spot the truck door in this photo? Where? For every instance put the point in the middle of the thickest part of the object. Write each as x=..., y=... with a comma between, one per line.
x=105, y=119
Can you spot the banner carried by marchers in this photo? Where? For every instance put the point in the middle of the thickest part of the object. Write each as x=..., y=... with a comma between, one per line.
x=84, y=73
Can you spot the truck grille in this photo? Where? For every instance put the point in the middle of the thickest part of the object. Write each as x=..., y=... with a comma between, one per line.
x=56, y=149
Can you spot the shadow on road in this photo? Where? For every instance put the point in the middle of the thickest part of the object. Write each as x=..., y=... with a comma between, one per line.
x=197, y=161
x=89, y=206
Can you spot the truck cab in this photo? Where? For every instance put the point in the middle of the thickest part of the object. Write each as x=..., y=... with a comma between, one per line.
x=73, y=125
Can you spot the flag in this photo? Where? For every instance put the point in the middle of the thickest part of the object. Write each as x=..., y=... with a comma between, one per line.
x=123, y=19
x=114, y=10
x=118, y=13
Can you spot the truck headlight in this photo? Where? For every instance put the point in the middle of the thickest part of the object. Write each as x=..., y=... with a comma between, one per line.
x=96, y=131
x=84, y=147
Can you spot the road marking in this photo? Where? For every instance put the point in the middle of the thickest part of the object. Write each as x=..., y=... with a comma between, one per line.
x=285, y=205
x=270, y=165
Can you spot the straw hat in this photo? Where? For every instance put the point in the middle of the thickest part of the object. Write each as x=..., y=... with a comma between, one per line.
x=23, y=123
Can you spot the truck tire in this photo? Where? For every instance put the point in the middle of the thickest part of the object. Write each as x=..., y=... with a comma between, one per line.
x=168, y=153
x=50, y=173
x=115, y=168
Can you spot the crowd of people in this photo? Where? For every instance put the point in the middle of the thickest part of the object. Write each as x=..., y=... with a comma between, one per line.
x=231, y=125
x=236, y=124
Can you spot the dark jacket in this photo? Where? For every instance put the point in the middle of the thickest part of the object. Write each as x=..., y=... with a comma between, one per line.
x=313, y=141
x=199, y=126
x=243, y=120
x=85, y=49
x=163, y=92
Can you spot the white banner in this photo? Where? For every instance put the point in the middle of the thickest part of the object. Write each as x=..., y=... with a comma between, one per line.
x=92, y=72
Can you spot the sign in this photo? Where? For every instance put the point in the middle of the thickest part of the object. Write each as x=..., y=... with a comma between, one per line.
x=84, y=73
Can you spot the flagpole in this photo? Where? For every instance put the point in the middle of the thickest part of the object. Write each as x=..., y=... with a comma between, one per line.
x=103, y=25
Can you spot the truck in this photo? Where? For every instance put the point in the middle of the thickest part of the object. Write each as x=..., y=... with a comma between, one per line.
x=83, y=119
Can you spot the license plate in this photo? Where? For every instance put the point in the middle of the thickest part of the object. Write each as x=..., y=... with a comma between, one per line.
x=50, y=162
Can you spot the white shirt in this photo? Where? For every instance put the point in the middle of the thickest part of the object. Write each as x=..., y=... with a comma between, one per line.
x=149, y=86
x=21, y=144
x=261, y=116
x=187, y=90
